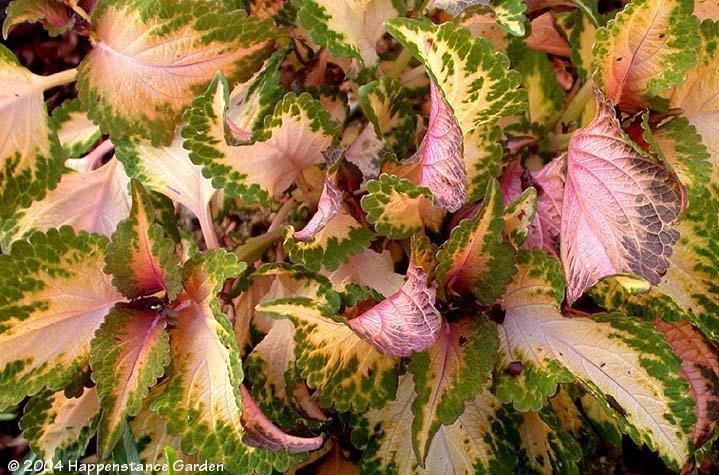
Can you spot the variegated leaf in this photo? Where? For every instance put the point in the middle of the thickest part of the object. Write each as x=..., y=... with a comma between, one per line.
x=698, y=95
x=545, y=446
x=648, y=47
x=475, y=259
x=481, y=439
x=473, y=78
x=347, y=371
x=404, y=322
x=59, y=428
x=292, y=140
x=398, y=208
x=680, y=146
x=30, y=157
x=152, y=58
x=618, y=208
x=454, y=370
x=75, y=131
x=129, y=353
x=203, y=390
x=385, y=104
x=438, y=163
x=622, y=361
x=140, y=258
x=54, y=296
x=368, y=268
x=700, y=367
x=54, y=15
x=518, y=216
x=168, y=170
x=348, y=28
x=331, y=235
x=94, y=201
x=544, y=94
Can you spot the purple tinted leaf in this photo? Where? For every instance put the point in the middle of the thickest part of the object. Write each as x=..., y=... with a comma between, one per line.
x=329, y=205
x=618, y=208
x=404, y=322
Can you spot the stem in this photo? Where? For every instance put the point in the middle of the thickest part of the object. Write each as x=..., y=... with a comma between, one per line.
x=254, y=247
x=411, y=75
x=403, y=59
x=58, y=79
x=576, y=105
x=208, y=229
x=281, y=215
x=95, y=156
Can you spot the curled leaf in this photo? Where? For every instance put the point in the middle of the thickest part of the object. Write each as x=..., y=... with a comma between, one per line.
x=404, y=322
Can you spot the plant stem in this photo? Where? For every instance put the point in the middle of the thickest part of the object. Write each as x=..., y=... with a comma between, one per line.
x=576, y=105
x=95, y=156
x=281, y=215
x=403, y=59
x=255, y=246
x=208, y=229
x=58, y=79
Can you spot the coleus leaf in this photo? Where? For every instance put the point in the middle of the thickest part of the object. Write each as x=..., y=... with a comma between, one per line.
x=545, y=36
x=261, y=432
x=292, y=140
x=271, y=368
x=622, y=361
x=475, y=259
x=346, y=370
x=473, y=78
x=54, y=15
x=140, y=258
x=510, y=15
x=129, y=353
x=463, y=67
x=168, y=170
x=404, y=322
x=203, y=390
x=437, y=165
x=546, y=447
x=680, y=146
x=648, y=47
x=54, y=296
x=60, y=428
x=94, y=201
x=697, y=95
x=700, y=367
x=250, y=102
x=75, y=131
x=385, y=104
x=607, y=227
x=148, y=428
x=454, y=370
x=331, y=235
x=367, y=268
x=398, y=208
x=544, y=230
x=30, y=156
x=483, y=436
x=348, y=28
x=150, y=60
x=544, y=94
x=518, y=217
x=581, y=39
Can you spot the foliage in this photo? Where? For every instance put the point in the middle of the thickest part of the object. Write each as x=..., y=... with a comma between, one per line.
x=448, y=236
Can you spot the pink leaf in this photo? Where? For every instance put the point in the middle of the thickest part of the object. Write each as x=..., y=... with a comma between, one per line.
x=618, y=207
x=700, y=367
x=545, y=37
x=439, y=161
x=549, y=183
x=260, y=432
x=330, y=203
x=404, y=322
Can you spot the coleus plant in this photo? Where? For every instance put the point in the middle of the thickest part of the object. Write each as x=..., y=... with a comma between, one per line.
x=377, y=236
